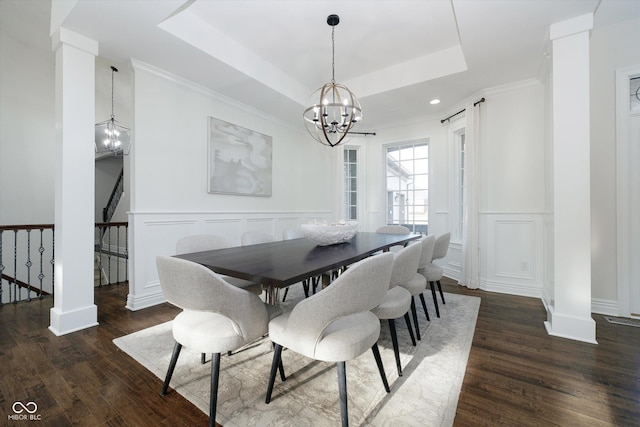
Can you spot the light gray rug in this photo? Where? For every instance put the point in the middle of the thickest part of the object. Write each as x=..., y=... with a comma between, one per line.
x=426, y=394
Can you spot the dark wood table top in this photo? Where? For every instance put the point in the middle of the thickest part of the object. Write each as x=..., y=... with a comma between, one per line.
x=283, y=263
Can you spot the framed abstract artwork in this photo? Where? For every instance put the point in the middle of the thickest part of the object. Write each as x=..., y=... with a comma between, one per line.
x=240, y=160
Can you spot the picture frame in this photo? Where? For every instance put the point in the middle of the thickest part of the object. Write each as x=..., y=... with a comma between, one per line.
x=239, y=160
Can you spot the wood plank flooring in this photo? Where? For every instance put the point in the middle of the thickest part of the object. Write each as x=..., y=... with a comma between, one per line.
x=516, y=375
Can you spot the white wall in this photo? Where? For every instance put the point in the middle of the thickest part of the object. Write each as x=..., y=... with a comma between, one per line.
x=27, y=133
x=612, y=47
x=169, y=197
x=512, y=190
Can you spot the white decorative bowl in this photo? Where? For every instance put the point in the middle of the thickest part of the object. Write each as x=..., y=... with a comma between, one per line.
x=329, y=234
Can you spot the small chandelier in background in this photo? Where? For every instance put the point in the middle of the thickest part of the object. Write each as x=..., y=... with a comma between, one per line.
x=334, y=109
x=111, y=136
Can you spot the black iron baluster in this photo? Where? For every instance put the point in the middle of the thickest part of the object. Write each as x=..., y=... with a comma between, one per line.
x=15, y=268
x=118, y=259
x=101, y=236
x=1, y=267
x=53, y=263
x=126, y=253
x=109, y=250
x=41, y=275
x=28, y=264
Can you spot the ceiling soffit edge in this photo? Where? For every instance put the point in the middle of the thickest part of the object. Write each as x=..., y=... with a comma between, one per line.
x=192, y=30
x=188, y=84
x=428, y=67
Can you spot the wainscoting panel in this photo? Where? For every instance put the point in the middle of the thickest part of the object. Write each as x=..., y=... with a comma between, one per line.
x=229, y=228
x=153, y=234
x=287, y=222
x=511, y=253
x=452, y=264
x=262, y=224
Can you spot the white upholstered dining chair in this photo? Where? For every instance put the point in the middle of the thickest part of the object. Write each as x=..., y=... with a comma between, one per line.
x=393, y=229
x=417, y=285
x=209, y=242
x=254, y=237
x=397, y=301
x=216, y=316
x=336, y=324
x=433, y=272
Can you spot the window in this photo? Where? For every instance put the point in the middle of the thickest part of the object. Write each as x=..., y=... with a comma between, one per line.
x=350, y=184
x=407, y=184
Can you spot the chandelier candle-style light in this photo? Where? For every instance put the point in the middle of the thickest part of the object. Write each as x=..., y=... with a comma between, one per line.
x=111, y=136
x=334, y=110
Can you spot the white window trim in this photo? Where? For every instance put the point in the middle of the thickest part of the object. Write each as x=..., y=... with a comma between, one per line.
x=426, y=140
x=361, y=182
x=455, y=129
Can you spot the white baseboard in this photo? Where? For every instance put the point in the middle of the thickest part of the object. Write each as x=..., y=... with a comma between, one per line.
x=138, y=302
x=606, y=307
x=65, y=322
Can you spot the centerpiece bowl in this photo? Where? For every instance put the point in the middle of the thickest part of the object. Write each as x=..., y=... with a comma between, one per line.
x=330, y=234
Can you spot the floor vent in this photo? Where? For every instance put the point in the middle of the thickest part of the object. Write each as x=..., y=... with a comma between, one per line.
x=623, y=321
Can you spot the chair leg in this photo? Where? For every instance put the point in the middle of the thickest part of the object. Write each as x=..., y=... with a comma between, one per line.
x=342, y=387
x=280, y=365
x=441, y=294
x=172, y=365
x=424, y=306
x=213, y=397
x=305, y=287
x=394, y=341
x=376, y=355
x=203, y=358
x=414, y=312
x=277, y=362
x=435, y=299
x=406, y=319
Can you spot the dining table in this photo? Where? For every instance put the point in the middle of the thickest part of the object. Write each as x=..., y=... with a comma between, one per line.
x=279, y=264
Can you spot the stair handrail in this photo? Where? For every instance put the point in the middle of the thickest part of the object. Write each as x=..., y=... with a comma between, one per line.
x=114, y=199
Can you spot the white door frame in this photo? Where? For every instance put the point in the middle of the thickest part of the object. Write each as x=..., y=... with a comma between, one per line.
x=628, y=209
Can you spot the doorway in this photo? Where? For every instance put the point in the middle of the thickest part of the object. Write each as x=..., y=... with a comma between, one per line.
x=627, y=185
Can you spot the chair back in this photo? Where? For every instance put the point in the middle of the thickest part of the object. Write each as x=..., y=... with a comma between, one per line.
x=255, y=237
x=201, y=242
x=442, y=246
x=393, y=229
x=405, y=265
x=292, y=233
x=362, y=287
x=428, y=244
x=192, y=286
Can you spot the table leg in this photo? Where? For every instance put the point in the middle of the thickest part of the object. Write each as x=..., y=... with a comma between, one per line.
x=272, y=295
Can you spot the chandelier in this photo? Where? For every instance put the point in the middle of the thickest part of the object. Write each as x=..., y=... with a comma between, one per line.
x=111, y=136
x=334, y=109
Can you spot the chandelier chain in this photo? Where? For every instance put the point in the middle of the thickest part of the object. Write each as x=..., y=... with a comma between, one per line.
x=112, y=74
x=333, y=55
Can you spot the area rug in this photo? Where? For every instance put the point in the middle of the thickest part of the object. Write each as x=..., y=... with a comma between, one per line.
x=426, y=394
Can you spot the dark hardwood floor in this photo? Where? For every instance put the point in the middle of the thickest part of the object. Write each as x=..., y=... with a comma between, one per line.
x=516, y=375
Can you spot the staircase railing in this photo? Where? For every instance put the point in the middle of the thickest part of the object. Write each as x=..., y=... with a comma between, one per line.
x=114, y=199
x=18, y=283
x=112, y=252
x=27, y=259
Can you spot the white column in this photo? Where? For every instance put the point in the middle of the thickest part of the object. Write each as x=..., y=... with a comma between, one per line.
x=74, y=187
x=569, y=314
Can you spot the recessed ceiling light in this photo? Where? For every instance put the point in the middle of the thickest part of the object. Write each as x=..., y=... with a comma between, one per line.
x=434, y=101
